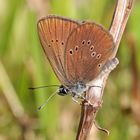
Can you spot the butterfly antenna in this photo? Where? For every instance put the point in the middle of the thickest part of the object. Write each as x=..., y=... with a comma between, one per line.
x=50, y=97
x=34, y=88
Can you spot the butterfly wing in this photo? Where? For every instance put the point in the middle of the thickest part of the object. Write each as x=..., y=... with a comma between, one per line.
x=88, y=48
x=53, y=33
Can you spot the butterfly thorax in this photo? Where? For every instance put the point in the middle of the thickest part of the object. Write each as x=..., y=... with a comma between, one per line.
x=75, y=90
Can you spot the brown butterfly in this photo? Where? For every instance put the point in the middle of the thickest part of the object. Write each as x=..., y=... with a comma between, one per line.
x=77, y=51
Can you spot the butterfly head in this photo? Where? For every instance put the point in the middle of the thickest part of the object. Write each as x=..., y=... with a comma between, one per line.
x=63, y=90
x=75, y=90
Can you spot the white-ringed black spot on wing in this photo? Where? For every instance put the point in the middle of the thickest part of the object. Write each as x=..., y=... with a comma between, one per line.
x=93, y=54
x=98, y=56
x=99, y=65
x=91, y=48
x=62, y=43
x=83, y=42
x=88, y=42
x=76, y=48
x=71, y=52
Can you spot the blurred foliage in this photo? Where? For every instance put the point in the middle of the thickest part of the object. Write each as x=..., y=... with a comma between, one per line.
x=23, y=64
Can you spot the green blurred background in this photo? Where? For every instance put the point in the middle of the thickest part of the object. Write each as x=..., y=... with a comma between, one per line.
x=23, y=64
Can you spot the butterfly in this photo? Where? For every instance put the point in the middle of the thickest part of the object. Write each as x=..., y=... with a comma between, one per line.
x=77, y=51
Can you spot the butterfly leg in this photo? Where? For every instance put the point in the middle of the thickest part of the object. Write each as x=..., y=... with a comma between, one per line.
x=88, y=102
x=82, y=97
x=75, y=100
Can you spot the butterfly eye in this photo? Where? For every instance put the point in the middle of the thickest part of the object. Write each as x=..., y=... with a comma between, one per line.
x=91, y=48
x=89, y=42
x=93, y=54
x=71, y=52
x=83, y=42
x=52, y=40
x=76, y=48
x=49, y=45
x=98, y=56
x=56, y=40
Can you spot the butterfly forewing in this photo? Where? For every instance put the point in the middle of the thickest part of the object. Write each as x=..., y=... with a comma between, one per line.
x=88, y=48
x=53, y=33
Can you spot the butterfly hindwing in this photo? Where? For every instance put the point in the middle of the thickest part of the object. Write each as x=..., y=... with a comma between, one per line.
x=88, y=48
